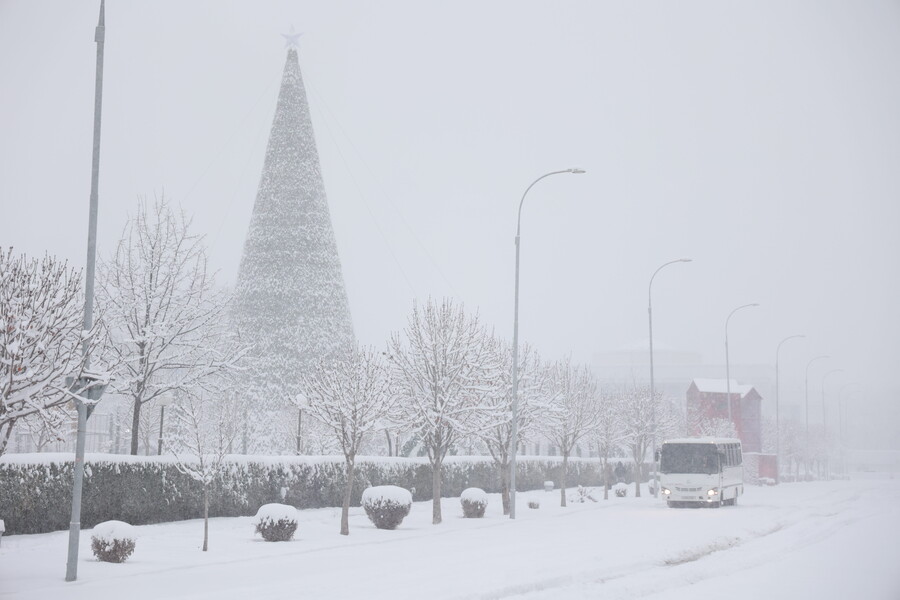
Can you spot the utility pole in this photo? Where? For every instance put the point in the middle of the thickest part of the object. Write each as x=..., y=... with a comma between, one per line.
x=87, y=385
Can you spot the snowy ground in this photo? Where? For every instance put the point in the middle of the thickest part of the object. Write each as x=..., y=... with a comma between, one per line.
x=814, y=540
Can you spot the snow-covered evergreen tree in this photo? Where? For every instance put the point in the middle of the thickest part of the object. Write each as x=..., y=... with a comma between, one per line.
x=350, y=396
x=290, y=301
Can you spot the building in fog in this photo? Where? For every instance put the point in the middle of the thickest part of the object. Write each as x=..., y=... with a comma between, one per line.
x=708, y=399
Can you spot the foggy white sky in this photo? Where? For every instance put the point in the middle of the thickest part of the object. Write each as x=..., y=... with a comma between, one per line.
x=760, y=139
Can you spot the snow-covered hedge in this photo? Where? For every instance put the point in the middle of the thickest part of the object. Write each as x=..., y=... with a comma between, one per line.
x=36, y=489
x=474, y=501
x=113, y=541
x=386, y=505
x=276, y=522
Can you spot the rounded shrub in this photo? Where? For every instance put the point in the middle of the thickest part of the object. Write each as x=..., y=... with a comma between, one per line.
x=474, y=501
x=386, y=505
x=276, y=522
x=113, y=541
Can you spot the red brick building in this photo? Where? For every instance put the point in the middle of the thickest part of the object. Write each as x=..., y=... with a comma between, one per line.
x=706, y=401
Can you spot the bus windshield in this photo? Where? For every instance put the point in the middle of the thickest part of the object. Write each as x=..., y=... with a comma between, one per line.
x=689, y=458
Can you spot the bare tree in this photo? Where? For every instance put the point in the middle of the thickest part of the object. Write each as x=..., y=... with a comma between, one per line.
x=444, y=367
x=41, y=340
x=576, y=411
x=161, y=309
x=714, y=427
x=204, y=431
x=640, y=427
x=533, y=402
x=350, y=396
x=608, y=433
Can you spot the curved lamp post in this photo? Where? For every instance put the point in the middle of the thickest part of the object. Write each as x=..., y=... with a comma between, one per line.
x=515, y=357
x=727, y=364
x=777, y=422
x=824, y=423
x=806, y=399
x=652, y=386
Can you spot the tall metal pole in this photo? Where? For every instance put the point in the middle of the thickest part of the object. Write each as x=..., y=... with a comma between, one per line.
x=514, y=435
x=92, y=394
x=777, y=421
x=806, y=401
x=727, y=364
x=825, y=423
x=652, y=385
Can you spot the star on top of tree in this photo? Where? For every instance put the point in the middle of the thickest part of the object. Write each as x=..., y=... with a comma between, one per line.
x=292, y=39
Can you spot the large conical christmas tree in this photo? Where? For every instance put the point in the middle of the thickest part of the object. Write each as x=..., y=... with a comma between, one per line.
x=290, y=301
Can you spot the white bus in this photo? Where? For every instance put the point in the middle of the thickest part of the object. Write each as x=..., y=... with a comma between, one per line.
x=703, y=471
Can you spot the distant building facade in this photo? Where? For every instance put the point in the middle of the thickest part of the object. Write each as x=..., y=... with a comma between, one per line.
x=707, y=401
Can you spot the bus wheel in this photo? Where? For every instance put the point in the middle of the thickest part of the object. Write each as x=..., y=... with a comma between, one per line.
x=734, y=500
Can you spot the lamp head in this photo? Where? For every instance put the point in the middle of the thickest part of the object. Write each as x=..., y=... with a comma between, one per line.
x=577, y=171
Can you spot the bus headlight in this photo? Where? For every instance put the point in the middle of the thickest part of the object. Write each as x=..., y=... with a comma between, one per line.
x=666, y=491
x=713, y=492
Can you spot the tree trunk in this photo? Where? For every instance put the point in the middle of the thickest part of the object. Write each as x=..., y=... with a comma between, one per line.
x=205, y=517
x=436, y=492
x=345, y=508
x=637, y=478
x=135, y=426
x=562, y=479
x=504, y=486
x=605, y=467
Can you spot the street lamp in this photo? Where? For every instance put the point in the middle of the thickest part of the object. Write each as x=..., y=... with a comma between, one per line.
x=824, y=423
x=652, y=387
x=515, y=357
x=93, y=392
x=806, y=400
x=164, y=401
x=777, y=422
x=727, y=364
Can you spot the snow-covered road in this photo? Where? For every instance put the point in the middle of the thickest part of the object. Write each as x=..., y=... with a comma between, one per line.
x=817, y=540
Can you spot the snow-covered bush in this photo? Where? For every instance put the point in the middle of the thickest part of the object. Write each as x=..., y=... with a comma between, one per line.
x=113, y=541
x=534, y=504
x=474, y=501
x=548, y=486
x=276, y=522
x=386, y=505
x=620, y=489
x=582, y=495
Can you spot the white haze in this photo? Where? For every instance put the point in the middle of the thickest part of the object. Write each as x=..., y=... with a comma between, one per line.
x=759, y=139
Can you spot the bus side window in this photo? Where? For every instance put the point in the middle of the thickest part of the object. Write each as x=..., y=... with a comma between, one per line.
x=739, y=458
x=730, y=455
